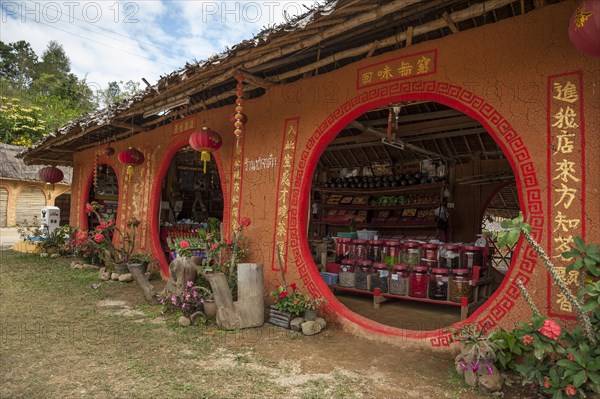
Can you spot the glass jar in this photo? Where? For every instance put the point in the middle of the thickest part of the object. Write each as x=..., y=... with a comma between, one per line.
x=429, y=263
x=342, y=248
x=411, y=254
x=379, y=277
x=450, y=257
x=391, y=249
x=438, y=284
x=361, y=273
x=358, y=249
x=399, y=277
x=459, y=285
x=418, y=283
x=346, y=276
x=471, y=256
x=429, y=251
x=375, y=250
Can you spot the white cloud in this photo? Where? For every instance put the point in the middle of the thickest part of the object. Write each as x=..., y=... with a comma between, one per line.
x=123, y=40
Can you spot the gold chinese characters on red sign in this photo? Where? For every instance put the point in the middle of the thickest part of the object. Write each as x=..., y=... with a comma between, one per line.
x=406, y=67
x=566, y=179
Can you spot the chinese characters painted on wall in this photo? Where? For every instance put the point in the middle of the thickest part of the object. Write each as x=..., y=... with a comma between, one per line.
x=184, y=125
x=286, y=172
x=566, y=179
x=237, y=172
x=406, y=67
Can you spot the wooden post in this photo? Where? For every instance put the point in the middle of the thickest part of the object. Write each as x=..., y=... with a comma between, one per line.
x=464, y=307
x=249, y=310
x=143, y=284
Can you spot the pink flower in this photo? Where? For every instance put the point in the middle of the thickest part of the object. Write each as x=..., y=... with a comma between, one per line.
x=183, y=244
x=89, y=209
x=229, y=242
x=570, y=390
x=245, y=221
x=103, y=225
x=293, y=286
x=527, y=339
x=190, y=284
x=111, y=222
x=214, y=246
x=547, y=383
x=550, y=329
x=99, y=238
x=571, y=357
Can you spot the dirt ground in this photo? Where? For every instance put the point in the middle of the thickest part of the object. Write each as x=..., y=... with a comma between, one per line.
x=65, y=335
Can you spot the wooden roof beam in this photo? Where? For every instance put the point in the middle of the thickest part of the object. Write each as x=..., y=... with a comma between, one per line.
x=450, y=22
x=256, y=80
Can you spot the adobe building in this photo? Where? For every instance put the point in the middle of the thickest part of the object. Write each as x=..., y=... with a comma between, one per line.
x=410, y=121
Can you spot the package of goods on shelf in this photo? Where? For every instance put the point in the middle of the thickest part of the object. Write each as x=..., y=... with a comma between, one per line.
x=334, y=199
x=346, y=200
x=347, y=234
x=330, y=278
x=409, y=213
x=360, y=200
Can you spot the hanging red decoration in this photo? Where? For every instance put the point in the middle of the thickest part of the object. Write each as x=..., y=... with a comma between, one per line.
x=239, y=119
x=51, y=175
x=108, y=150
x=584, y=27
x=234, y=118
x=131, y=157
x=205, y=141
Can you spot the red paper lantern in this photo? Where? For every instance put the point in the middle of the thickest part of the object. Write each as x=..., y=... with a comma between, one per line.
x=131, y=157
x=243, y=119
x=51, y=175
x=584, y=27
x=205, y=141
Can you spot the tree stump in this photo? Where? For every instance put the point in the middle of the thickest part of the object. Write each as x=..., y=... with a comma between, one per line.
x=181, y=270
x=143, y=284
x=248, y=311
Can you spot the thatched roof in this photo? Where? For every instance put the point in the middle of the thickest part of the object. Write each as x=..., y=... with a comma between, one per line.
x=324, y=39
x=13, y=168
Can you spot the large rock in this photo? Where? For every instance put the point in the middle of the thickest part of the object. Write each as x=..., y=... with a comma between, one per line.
x=184, y=321
x=321, y=321
x=296, y=323
x=114, y=276
x=126, y=278
x=490, y=382
x=55, y=255
x=311, y=328
x=105, y=276
x=470, y=377
x=310, y=315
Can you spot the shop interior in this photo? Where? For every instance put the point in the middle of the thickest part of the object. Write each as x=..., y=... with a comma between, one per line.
x=105, y=191
x=191, y=197
x=406, y=207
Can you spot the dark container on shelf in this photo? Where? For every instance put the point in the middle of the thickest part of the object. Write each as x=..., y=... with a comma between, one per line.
x=411, y=253
x=375, y=250
x=450, y=256
x=347, y=275
x=419, y=281
x=342, y=248
x=399, y=278
x=459, y=285
x=471, y=256
x=361, y=275
x=358, y=249
x=379, y=277
x=438, y=284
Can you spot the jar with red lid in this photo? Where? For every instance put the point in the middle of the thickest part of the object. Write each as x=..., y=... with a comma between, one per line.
x=460, y=285
x=438, y=284
x=375, y=250
x=342, y=248
x=346, y=275
x=429, y=251
x=429, y=263
x=419, y=281
x=379, y=277
x=471, y=256
x=411, y=253
x=450, y=256
x=399, y=277
x=358, y=249
x=361, y=275
x=391, y=249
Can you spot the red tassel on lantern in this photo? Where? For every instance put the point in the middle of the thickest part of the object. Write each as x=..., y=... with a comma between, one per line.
x=205, y=141
x=584, y=27
x=131, y=157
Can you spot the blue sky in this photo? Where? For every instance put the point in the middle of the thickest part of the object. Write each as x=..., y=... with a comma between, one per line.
x=110, y=40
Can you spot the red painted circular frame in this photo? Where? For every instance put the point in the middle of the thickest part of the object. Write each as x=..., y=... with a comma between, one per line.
x=167, y=158
x=503, y=300
x=85, y=194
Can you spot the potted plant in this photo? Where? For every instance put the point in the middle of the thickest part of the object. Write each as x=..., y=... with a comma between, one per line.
x=141, y=258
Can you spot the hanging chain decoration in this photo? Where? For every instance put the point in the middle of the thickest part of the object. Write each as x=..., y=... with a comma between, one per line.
x=96, y=170
x=389, y=125
x=239, y=123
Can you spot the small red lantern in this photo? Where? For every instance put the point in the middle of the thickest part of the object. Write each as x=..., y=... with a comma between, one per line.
x=233, y=118
x=131, y=157
x=51, y=175
x=205, y=140
x=584, y=27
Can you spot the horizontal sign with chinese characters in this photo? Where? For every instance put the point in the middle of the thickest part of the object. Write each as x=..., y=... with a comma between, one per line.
x=184, y=125
x=260, y=163
x=406, y=67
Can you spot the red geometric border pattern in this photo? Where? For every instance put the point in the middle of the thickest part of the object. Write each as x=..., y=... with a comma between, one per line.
x=503, y=300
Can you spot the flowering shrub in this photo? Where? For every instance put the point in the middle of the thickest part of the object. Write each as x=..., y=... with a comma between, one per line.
x=181, y=246
x=556, y=361
x=187, y=302
x=288, y=299
x=479, y=350
x=82, y=246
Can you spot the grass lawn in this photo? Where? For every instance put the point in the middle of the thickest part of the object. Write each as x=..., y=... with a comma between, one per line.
x=62, y=338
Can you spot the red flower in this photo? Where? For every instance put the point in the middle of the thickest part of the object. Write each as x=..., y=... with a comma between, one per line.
x=570, y=390
x=111, y=222
x=550, y=329
x=283, y=294
x=571, y=357
x=229, y=242
x=89, y=208
x=103, y=225
x=99, y=237
x=293, y=286
x=183, y=244
x=527, y=339
x=245, y=221
x=214, y=246
x=547, y=383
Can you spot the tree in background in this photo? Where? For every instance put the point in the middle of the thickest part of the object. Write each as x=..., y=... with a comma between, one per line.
x=116, y=92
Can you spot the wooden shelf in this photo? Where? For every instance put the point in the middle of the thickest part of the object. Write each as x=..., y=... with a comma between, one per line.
x=385, y=295
x=417, y=224
x=381, y=207
x=381, y=191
